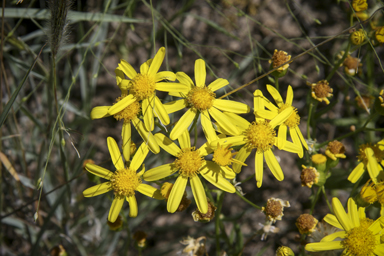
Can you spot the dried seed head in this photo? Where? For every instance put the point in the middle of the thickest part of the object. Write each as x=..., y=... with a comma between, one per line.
x=115, y=225
x=309, y=176
x=278, y=58
x=321, y=91
x=274, y=209
x=335, y=149
x=207, y=217
x=352, y=65
x=306, y=223
x=140, y=238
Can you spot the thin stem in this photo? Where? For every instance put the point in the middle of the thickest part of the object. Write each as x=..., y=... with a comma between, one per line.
x=247, y=201
x=326, y=199
x=277, y=83
x=315, y=200
x=309, y=120
x=217, y=222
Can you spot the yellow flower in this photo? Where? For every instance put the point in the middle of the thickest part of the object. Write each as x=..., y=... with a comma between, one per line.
x=189, y=163
x=201, y=99
x=140, y=88
x=292, y=122
x=361, y=236
x=335, y=150
x=124, y=181
x=259, y=135
x=358, y=37
x=370, y=158
x=321, y=91
x=360, y=5
x=379, y=34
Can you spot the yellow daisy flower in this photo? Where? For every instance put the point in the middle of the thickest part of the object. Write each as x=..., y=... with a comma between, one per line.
x=292, y=122
x=124, y=181
x=360, y=5
x=259, y=135
x=369, y=158
x=361, y=236
x=189, y=163
x=201, y=99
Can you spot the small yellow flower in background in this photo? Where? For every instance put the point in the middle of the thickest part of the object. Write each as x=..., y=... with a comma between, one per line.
x=117, y=224
x=358, y=37
x=319, y=161
x=381, y=98
x=278, y=58
x=365, y=101
x=363, y=16
x=369, y=158
x=352, y=65
x=274, y=209
x=284, y=251
x=292, y=123
x=201, y=100
x=335, y=150
x=309, y=176
x=306, y=223
x=360, y=235
x=360, y=5
x=321, y=91
x=205, y=217
x=194, y=247
x=379, y=34
x=124, y=181
x=140, y=238
x=259, y=135
x=189, y=164
x=166, y=189
x=368, y=192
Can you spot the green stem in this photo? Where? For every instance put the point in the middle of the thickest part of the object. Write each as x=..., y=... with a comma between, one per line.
x=326, y=199
x=309, y=120
x=277, y=83
x=315, y=200
x=217, y=223
x=247, y=201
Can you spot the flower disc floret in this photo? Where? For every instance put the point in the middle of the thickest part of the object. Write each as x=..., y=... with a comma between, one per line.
x=260, y=135
x=189, y=162
x=142, y=86
x=360, y=241
x=294, y=119
x=223, y=155
x=379, y=154
x=124, y=182
x=128, y=113
x=201, y=98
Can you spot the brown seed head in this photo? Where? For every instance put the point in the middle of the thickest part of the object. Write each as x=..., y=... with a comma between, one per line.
x=306, y=223
x=309, y=176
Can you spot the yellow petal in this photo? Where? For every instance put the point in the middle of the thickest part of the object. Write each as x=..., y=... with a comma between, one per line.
x=185, y=79
x=147, y=136
x=185, y=140
x=176, y=194
x=126, y=135
x=160, y=112
x=301, y=137
x=242, y=156
x=332, y=220
x=282, y=136
x=372, y=165
x=227, y=172
x=326, y=246
x=174, y=106
x=199, y=194
x=183, y=123
x=266, y=114
x=331, y=237
x=218, y=84
x=376, y=226
x=379, y=249
x=132, y=206
x=259, y=168
x=296, y=141
x=234, y=141
x=205, y=149
x=200, y=73
x=114, y=151
x=150, y=191
x=291, y=147
x=128, y=70
x=223, y=121
x=99, y=171
x=353, y=213
x=273, y=165
x=159, y=172
x=275, y=94
x=209, y=132
x=289, y=98
x=356, y=173
x=281, y=117
x=115, y=209
x=362, y=215
x=172, y=87
x=147, y=109
x=157, y=61
x=165, y=75
x=145, y=66
x=139, y=157
x=97, y=189
x=167, y=144
x=231, y=106
x=214, y=176
x=241, y=123
x=258, y=100
x=99, y=112
x=122, y=104
x=341, y=215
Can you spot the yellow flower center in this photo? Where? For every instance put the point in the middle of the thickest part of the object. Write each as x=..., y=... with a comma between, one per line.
x=223, y=155
x=124, y=182
x=260, y=135
x=360, y=241
x=142, y=86
x=129, y=112
x=294, y=119
x=188, y=162
x=379, y=154
x=201, y=98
